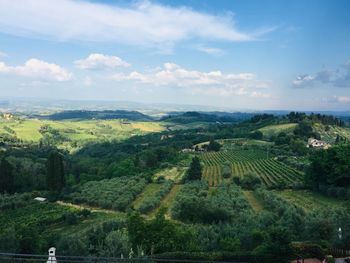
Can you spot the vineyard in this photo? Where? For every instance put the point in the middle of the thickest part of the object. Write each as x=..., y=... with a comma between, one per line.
x=272, y=173
x=219, y=158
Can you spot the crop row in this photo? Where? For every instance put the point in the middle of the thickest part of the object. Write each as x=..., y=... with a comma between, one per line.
x=219, y=158
x=272, y=173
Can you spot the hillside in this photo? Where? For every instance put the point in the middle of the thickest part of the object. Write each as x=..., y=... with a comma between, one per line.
x=97, y=115
x=192, y=116
x=134, y=182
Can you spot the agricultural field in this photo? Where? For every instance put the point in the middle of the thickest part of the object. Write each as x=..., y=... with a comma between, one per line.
x=175, y=174
x=273, y=130
x=271, y=172
x=32, y=214
x=254, y=202
x=221, y=157
x=234, y=144
x=309, y=200
x=117, y=193
x=150, y=190
x=33, y=130
x=329, y=133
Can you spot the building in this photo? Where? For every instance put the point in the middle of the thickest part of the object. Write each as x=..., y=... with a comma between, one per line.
x=314, y=143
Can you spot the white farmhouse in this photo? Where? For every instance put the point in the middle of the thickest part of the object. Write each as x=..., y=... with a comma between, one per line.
x=314, y=143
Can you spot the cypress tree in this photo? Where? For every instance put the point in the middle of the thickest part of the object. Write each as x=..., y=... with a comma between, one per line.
x=195, y=170
x=7, y=183
x=55, y=172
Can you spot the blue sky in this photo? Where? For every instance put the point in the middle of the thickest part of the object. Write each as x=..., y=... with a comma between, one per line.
x=241, y=54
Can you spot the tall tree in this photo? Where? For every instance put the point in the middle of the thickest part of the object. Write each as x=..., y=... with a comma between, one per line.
x=6, y=177
x=195, y=170
x=55, y=172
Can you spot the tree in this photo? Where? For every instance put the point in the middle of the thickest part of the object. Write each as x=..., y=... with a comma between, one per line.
x=213, y=145
x=6, y=177
x=195, y=170
x=55, y=172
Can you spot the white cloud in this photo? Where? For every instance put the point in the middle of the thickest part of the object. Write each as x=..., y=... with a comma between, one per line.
x=211, y=50
x=209, y=83
x=143, y=24
x=100, y=61
x=332, y=78
x=37, y=69
x=3, y=54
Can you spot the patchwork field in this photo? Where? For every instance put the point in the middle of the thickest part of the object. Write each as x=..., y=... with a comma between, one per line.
x=32, y=130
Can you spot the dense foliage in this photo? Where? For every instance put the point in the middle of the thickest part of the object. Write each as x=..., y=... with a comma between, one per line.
x=329, y=171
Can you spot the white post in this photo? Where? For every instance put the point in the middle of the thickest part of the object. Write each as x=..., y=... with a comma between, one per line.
x=52, y=256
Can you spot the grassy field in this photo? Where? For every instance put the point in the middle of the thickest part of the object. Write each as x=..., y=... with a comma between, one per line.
x=275, y=129
x=150, y=190
x=256, y=205
x=175, y=174
x=309, y=200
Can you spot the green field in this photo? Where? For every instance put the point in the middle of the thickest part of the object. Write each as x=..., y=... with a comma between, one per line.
x=175, y=174
x=272, y=130
x=150, y=190
x=309, y=200
x=221, y=157
x=28, y=130
x=254, y=202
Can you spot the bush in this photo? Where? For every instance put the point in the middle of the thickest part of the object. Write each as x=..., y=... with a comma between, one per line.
x=250, y=181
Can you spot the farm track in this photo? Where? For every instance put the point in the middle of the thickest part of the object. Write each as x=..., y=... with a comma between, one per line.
x=256, y=205
x=167, y=200
x=88, y=207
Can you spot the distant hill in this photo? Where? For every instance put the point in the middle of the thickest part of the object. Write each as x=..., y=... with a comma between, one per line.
x=97, y=115
x=193, y=116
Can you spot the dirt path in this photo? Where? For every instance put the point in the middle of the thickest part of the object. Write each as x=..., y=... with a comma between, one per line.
x=167, y=200
x=253, y=201
x=92, y=209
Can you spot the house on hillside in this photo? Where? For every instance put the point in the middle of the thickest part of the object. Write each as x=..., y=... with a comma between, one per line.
x=314, y=143
x=188, y=150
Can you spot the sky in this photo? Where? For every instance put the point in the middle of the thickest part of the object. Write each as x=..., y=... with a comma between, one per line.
x=240, y=54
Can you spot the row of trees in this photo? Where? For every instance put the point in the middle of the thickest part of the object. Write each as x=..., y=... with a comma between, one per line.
x=55, y=176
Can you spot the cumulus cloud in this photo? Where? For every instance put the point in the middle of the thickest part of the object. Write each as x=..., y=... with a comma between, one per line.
x=37, y=69
x=210, y=83
x=332, y=78
x=100, y=61
x=143, y=23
